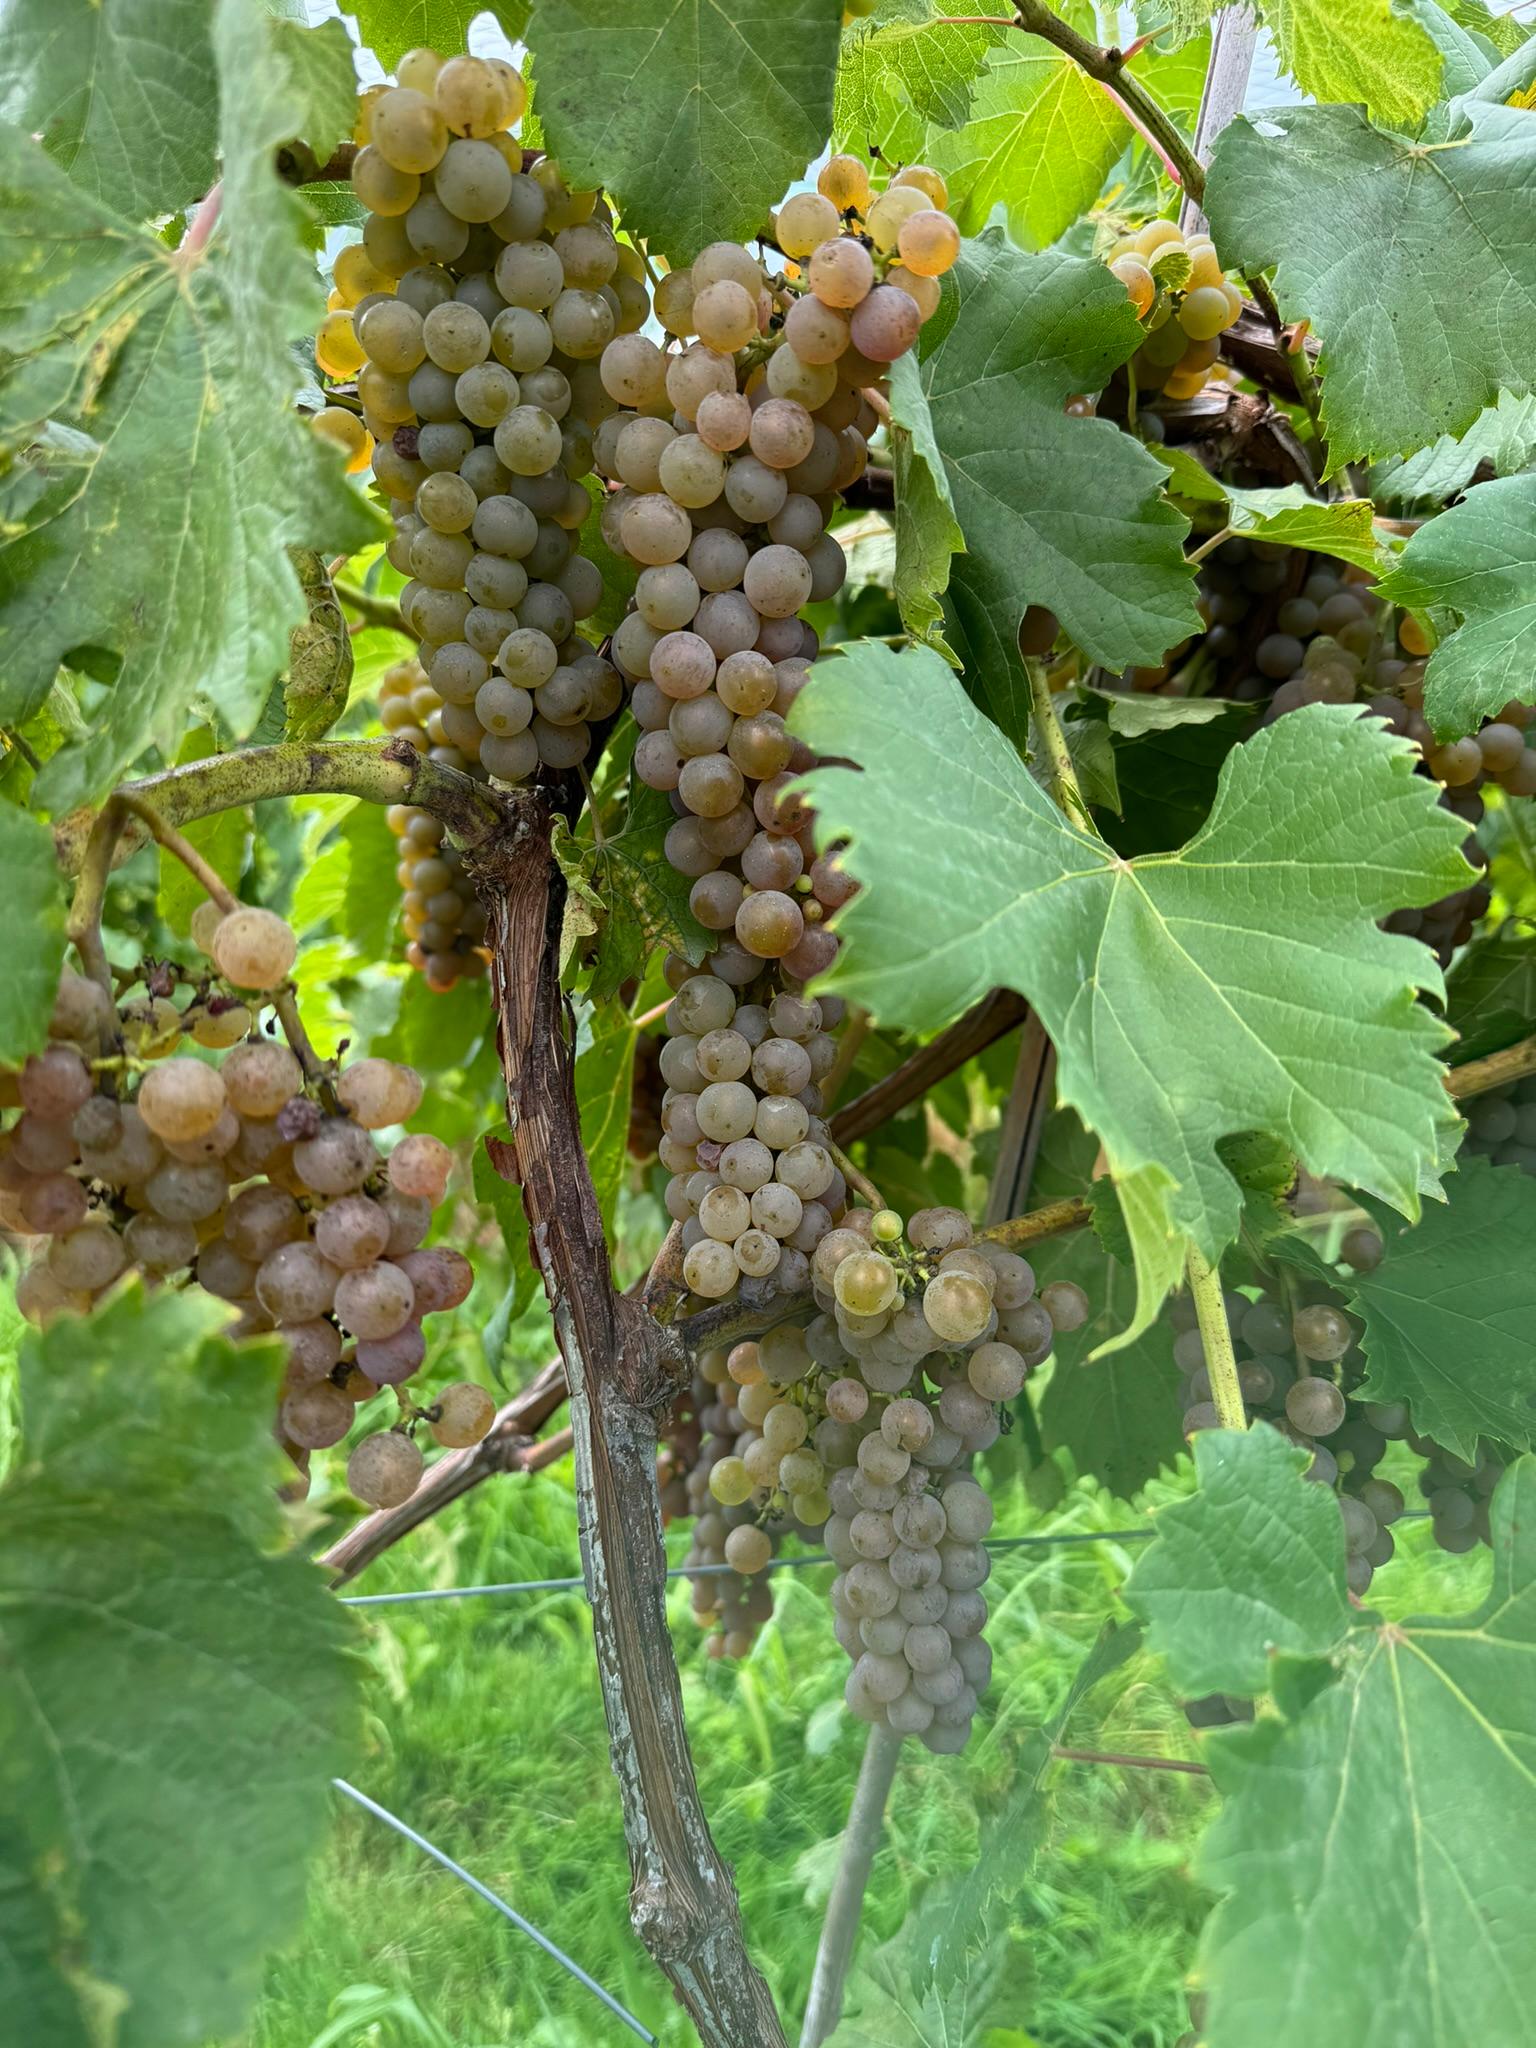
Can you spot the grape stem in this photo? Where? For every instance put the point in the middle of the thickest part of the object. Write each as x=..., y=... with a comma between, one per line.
x=1220, y=1364
x=855, y=1175
x=174, y=842
x=83, y=929
x=204, y=221
x=371, y=609
x=855, y=1031
x=1511, y=1063
x=1135, y=1763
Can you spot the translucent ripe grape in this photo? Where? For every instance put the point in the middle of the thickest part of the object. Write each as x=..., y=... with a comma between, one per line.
x=80, y=1009
x=690, y=472
x=725, y=316
x=337, y=1159
x=374, y=1301
x=295, y=1284
x=419, y=1165
x=748, y=1549
x=407, y=130
x=254, y=948
x=582, y=323
x=845, y=181
x=723, y=419
x=769, y=924
x=464, y=1415
x=186, y=1193
x=55, y=1083
x=866, y=1284
x=471, y=96
x=1205, y=312
x=782, y=433
x=729, y=1481
x=378, y=1092
x=928, y=243
x=1315, y=1406
x=383, y=1470
x=939, y=1229
x=352, y=1231
x=1066, y=1304
x=841, y=272
x=884, y=324
x=927, y=181
x=388, y=1361
x=1322, y=1333
x=474, y=180
x=697, y=372
x=53, y=1203
x=380, y=186
x=777, y=581
x=957, y=1307
x=654, y=530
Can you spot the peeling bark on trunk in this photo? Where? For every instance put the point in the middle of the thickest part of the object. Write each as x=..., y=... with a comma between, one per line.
x=620, y=1370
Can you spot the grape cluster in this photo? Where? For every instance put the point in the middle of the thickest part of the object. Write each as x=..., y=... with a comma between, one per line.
x=858, y=1425
x=472, y=313
x=444, y=919
x=1183, y=299
x=245, y=1178
x=1501, y=1125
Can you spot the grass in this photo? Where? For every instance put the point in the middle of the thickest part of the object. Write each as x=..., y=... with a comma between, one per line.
x=484, y=1730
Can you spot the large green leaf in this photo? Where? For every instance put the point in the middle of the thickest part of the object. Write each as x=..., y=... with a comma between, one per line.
x=1449, y=319
x=695, y=117
x=1251, y=1564
x=1284, y=514
x=1370, y=1831
x=1503, y=438
x=122, y=95
x=902, y=69
x=170, y=551
x=1491, y=992
x=1041, y=139
x=32, y=931
x=927, y=532
x=1474, y=567
x=1056, y=511
x=1450, y=1313
x=174, y=1695
x=1240, y=984
x=1374, y=53
x=1118, y=1416
x=391, y=27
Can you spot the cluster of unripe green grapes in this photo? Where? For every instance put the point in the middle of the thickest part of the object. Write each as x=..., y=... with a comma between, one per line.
x=472, y=315
x=856, y=1428
x=176, y=1140
x=1182, y=296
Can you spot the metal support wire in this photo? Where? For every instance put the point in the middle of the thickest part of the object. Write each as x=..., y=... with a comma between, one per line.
x=493, y=1899
x=699, y=1571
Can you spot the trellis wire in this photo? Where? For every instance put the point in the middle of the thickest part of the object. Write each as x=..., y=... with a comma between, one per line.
x=494, y=1899
x=699, y=1571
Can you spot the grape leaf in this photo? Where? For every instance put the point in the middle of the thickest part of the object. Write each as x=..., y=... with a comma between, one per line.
x=1503, y=438
x=695, y=118
x=1056, y=511
x=605, y=1067
x=1283, y=514
x=927, y=533
x=1419, y=354
x=1167, y=779
x=171, y=552
x=1041, y=139
x=1450, y=1313
x=123, y=96
x=1252, y=1563
x=33, y=929
x=1491, y=993
x=1375, y=53
x=1240, y=984
x=1369, y=1831
x=904, y=68
x=1475, y=564
x=1118, y=1416
x=391, y=27
x=322, y=81
x=174, y=1695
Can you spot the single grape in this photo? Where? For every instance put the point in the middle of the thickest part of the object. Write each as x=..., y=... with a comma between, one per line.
x=384, y=1469
x=254, y=948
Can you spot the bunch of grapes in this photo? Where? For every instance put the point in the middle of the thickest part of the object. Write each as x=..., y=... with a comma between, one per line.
x=240, y=1176
x=444, y=919
x=472, y=313
x=1501, y=1125
x=858, y=1425
x=1183, y=299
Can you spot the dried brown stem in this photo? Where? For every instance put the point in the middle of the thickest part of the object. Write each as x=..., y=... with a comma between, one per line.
x=1135, y=1763
x=618, y=1367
